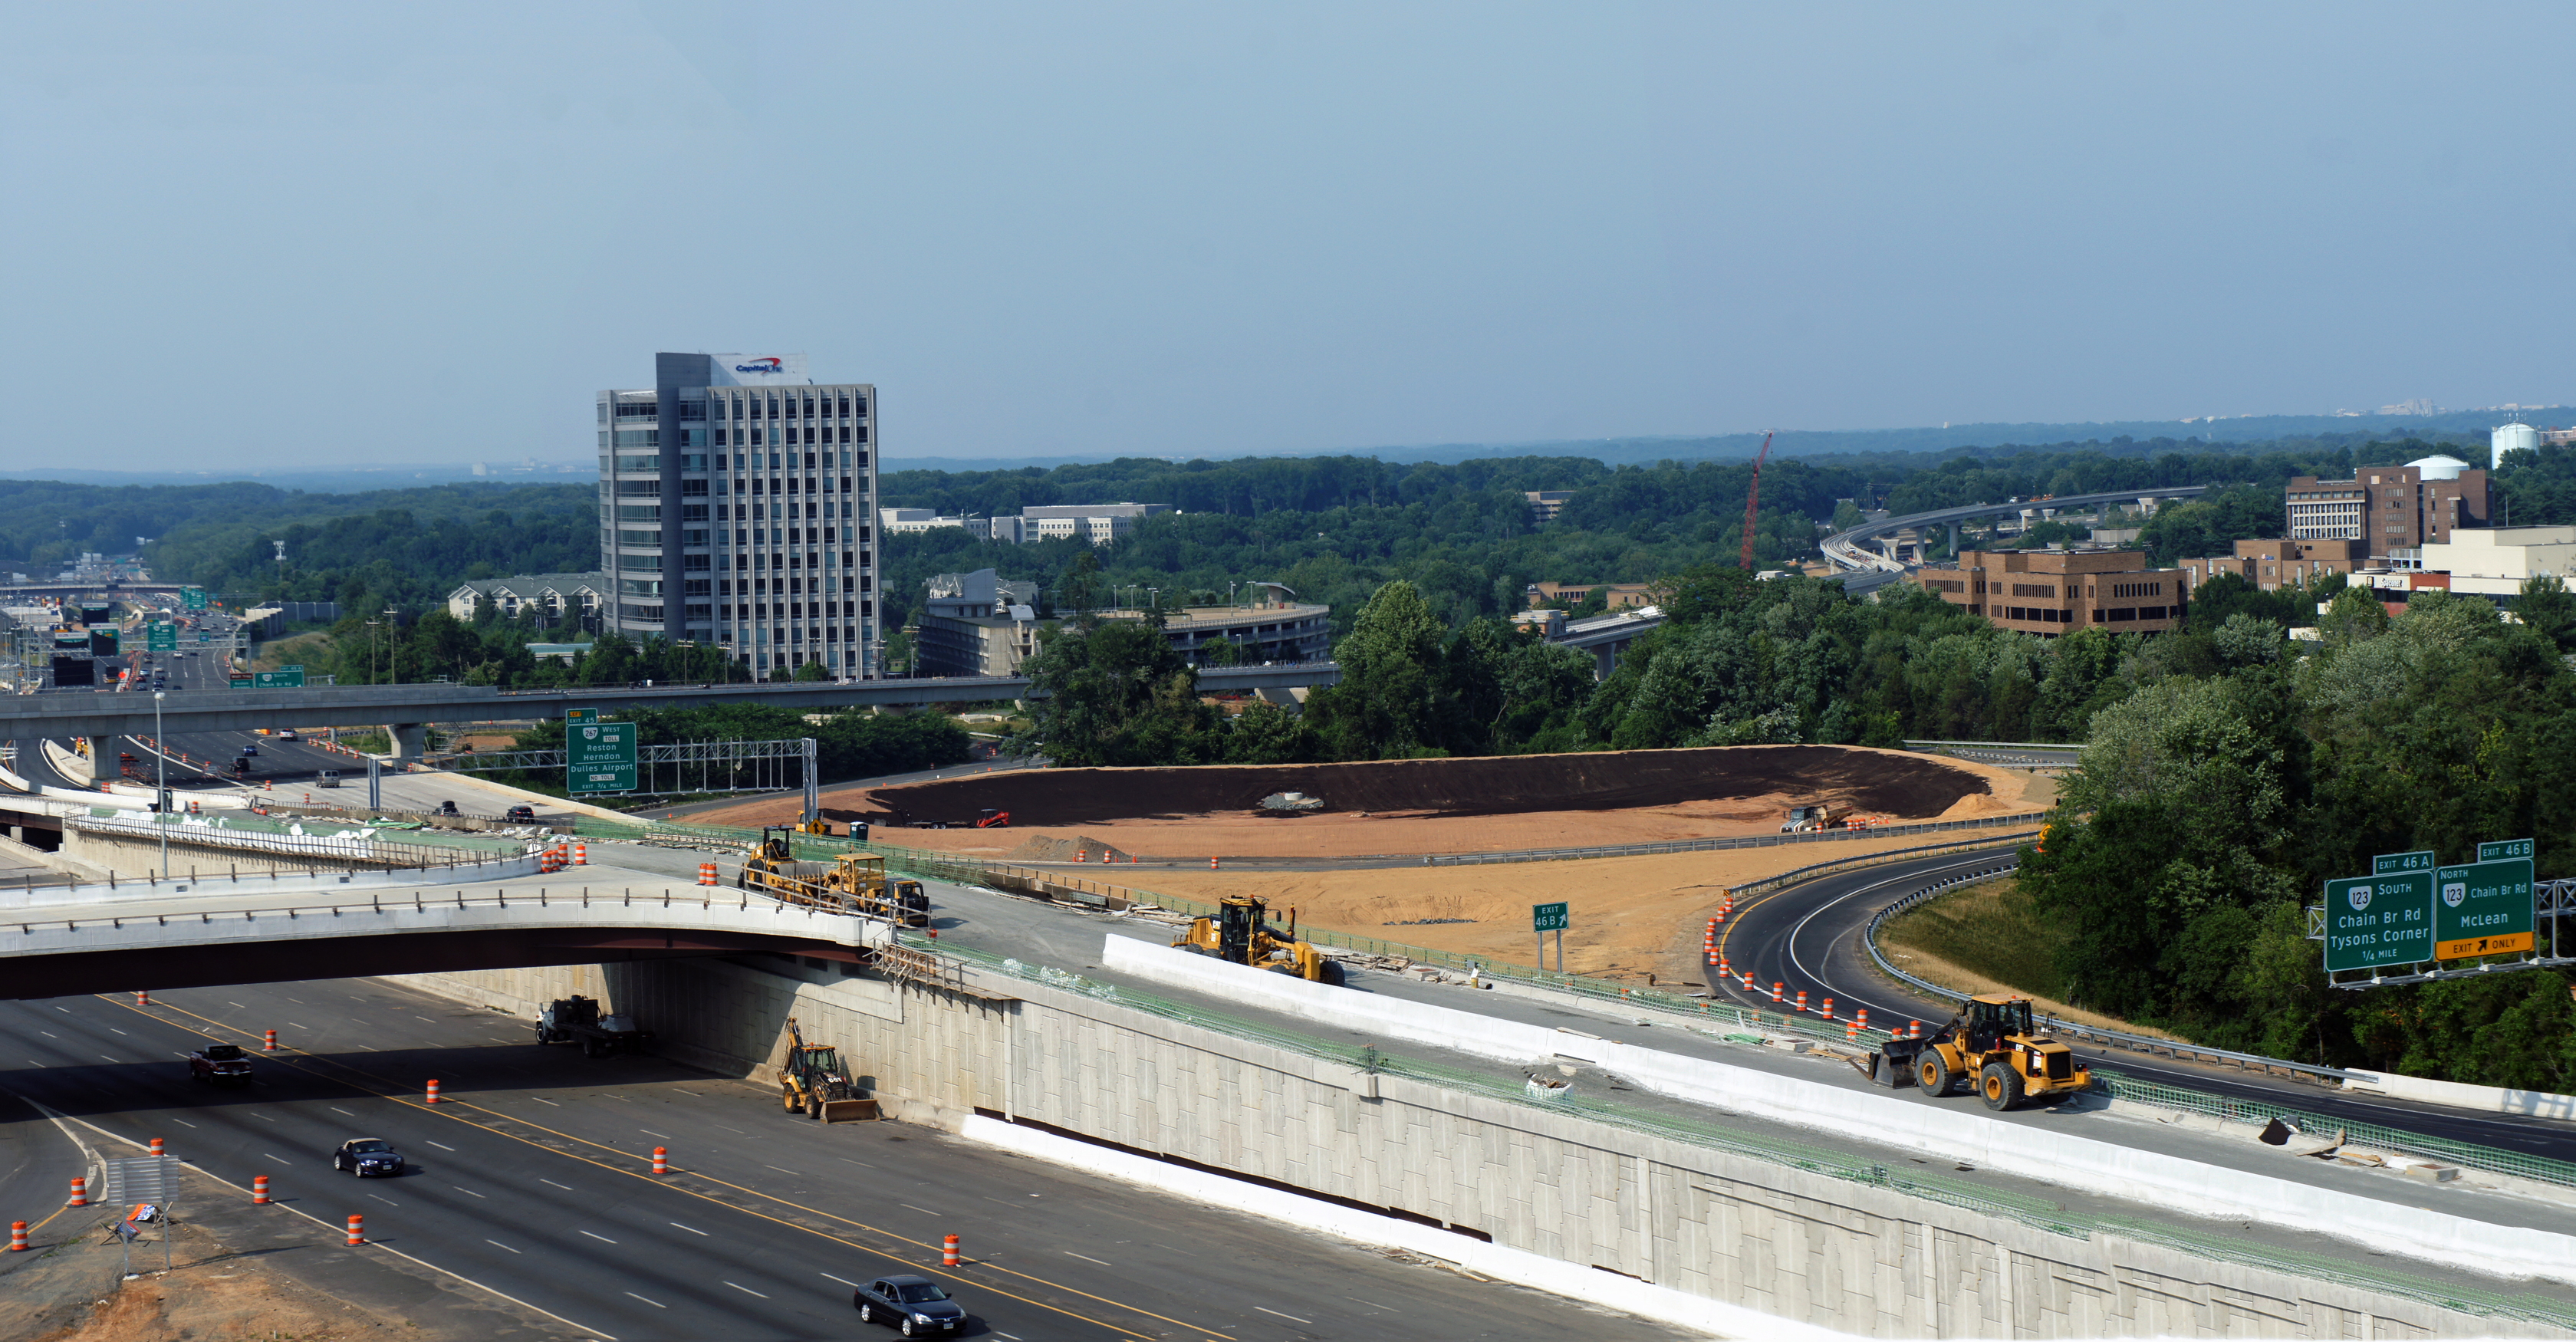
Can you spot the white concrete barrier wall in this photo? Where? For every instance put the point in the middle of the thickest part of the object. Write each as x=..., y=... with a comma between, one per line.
x=1501, y=1262
x=2459, y=1095
x=1956, y=1133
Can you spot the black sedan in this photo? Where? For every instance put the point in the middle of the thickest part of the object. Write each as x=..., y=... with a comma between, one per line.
x=914, y=1304
x=368, y=1155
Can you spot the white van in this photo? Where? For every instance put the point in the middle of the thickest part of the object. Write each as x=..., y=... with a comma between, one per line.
x=330, y=778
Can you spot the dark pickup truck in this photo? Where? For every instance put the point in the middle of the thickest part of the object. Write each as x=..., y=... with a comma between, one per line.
x=570, y=1019
x=221, y=1064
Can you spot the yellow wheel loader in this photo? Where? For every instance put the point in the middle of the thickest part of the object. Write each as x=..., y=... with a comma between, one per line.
x=1240, y=935
x=1989, y=1046
x=813, y=1082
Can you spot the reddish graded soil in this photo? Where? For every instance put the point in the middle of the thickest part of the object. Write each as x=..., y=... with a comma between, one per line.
x=1421, y=806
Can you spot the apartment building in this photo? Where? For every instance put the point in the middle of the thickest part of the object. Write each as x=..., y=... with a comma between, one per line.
x=2053, y=592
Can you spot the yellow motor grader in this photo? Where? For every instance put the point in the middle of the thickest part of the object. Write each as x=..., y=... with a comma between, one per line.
x=1991, y=1046
x=1240, y=935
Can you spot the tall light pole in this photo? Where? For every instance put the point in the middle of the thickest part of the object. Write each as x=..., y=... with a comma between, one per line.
x=393, y=647
x=161, y=781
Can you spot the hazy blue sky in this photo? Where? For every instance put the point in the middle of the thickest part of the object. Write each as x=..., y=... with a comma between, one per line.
x=310, y=235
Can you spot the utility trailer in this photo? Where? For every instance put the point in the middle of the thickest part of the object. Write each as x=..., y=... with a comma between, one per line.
x=570, y=1019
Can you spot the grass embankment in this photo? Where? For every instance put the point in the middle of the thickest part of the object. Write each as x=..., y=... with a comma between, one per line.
x=298, y=650
x=1989, y=937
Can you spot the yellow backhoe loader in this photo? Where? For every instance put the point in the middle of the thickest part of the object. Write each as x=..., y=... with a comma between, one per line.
x=1240, y=935
x=813, y=1081
x=1991, y=1046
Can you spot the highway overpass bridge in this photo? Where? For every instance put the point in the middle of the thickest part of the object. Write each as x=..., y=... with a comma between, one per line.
x=1868, y=571
x=87, y=939
x=405, y=708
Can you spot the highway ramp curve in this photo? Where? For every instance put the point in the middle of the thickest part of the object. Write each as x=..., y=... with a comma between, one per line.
x=1807, y=937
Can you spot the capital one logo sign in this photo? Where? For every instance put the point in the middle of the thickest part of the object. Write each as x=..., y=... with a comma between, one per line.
x=759, y=366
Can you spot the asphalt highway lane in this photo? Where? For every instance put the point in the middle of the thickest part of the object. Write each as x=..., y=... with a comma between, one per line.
x=531, y=1177
x=1808, y=936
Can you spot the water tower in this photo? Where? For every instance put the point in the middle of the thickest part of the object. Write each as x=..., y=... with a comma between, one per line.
x=2508, y=437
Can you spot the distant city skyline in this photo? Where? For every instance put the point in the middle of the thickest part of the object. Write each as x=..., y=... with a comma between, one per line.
x=305, y=234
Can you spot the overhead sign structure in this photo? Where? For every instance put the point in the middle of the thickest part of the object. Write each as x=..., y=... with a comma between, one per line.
x=2376, y=921
x=161, y=636
x=194, y=598
x=598, y=756
x=283, y=678
x=2485, y=907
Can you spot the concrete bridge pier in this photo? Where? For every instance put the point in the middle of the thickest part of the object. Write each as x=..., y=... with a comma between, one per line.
x=410, y=739
x=103, y=751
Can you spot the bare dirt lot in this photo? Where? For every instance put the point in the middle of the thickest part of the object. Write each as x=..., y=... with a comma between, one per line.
x=1407, y=807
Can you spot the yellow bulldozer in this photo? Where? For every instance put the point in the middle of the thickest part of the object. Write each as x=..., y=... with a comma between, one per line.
x=1991, y=1046
x=1240, y=934
x=860, y=879
x=813, y=1082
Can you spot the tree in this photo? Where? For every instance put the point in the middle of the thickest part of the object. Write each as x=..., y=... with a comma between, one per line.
x=1387, y=699
x=1115, y=692
x=812, y=670
x=2546, y=606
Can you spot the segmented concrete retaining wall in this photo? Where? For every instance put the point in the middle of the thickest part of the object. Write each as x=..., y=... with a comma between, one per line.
x=1710, y=1235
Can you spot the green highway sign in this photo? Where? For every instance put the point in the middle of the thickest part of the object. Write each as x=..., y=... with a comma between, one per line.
x=2489, y=852
x=574, y=717
x=1548, y=918
x=194, y=598
x=2484, y=908
x=599, y=756
x=2376, y=921
x=2387, y=863
x=241, y=682
x=162, y=636
x=283, y=678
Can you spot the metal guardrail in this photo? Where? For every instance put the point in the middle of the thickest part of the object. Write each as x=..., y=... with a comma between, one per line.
x=393, y=854
x=1709, y=845
x=2038, y=1213
x=73, y=915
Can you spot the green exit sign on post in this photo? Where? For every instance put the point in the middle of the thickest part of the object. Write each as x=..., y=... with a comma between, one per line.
x=1548, y=918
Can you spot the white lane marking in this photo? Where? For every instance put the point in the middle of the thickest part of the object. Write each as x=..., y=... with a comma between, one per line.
x=467, y=1191
x=279, y=1159
x=371, y=1048
x=237, y=1004
x=744, y=1289
x=113, y=1030
x=565, y=1187
x=105, y=1056
x=296, y=1000
x=543, y=1100
x=720, y=1125
x=263, y=1118
x=338, y=1110
x=928, y=1212
x=387, y=1201
x=300, y=1027
x=1289, y=1317
x=424, y=1018
x=442, y=1146
x=784, y=1170
x=691, y=1229
x=654, y=1303
x=49, y=1034
x=499, y=1245
x=601, y=1238
x=651, y=1133
x=33, y=1063
x=1370, y=1304
x=1089, y=1259
x=183, y=1122
x=64, y=1009
x=843, y=1280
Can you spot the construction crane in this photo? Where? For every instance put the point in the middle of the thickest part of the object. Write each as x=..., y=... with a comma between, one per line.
x=1753, y=499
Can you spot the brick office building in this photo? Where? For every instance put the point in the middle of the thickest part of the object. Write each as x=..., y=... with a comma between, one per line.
x=2390, y=508
x=2272, y=565
x=2055, y=592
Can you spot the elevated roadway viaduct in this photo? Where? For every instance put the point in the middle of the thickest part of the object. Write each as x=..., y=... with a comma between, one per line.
x=91, y=939
x=1869, y=571
x=405, y=707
